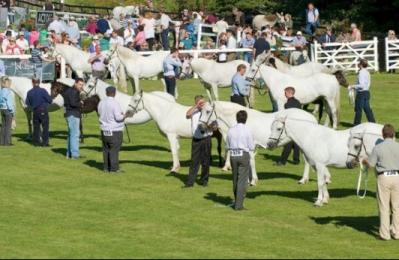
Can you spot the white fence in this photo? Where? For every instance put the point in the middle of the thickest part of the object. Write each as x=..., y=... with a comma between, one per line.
x=391, y=54
x=346, y=55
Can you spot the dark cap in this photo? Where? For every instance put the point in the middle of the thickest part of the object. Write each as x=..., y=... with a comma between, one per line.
x=110, y=90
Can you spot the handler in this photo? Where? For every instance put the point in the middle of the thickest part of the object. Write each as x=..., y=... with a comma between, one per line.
x=240, y=142
x=240, y=87
x=38, y=100
x=362, y=87
x=292, y=102
x=200, y=147
x=111, y=124
x=7, y=111
x=385, y=159
x=170, y=64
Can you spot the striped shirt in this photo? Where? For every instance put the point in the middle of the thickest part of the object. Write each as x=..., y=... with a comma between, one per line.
x=37, y=57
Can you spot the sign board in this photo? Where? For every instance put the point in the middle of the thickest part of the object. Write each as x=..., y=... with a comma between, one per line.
x=25, y=68
x=43, y=17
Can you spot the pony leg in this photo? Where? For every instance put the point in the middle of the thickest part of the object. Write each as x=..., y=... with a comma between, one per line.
x=219, y=138
x=254, y=176
x=215, y=92
x=136, y=87
x=321, y=173
x=163, y=84
x=306, y=170
x=333, y=111
x=174, y=147
x=28, y=114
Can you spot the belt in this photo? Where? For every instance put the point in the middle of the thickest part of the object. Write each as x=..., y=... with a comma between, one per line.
x=388, y=173
x=170, y=77
x=237, y=95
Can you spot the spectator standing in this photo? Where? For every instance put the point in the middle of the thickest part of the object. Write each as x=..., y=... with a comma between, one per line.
x=73, y=31
x=111, y=120
x=33, y=36
x=362, y=87
x=248, y=42
x=98, y=67
x=139, y=40
x=43, y=40
x=38, y=100
x=128, y=34
x=200, y=146
x=56, y=25
x=221, y=26
x=239, y=16
x=103, y=25
x=72, y=115
x=356, y=34
x=312, y=19
x=240, y=87
x=222, y=58
x=165, y=22
x=116, y=39
x=211, y=18
x=37, y=59
x=240, y=142
x=48, y=6
x=7, y=112
x=149, y=30
x=231, y=44
x=261, y=45
x=91, y=26
x=170, y=64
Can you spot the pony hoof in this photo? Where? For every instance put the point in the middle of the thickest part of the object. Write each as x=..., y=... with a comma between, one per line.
x=318, y=204
x=328, y=181
x=226, y=169
x=175, y=170
x=325, y=201
x=303, y=181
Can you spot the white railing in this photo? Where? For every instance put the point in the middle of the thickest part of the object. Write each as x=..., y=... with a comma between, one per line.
x=391, y=54
x=346, y=55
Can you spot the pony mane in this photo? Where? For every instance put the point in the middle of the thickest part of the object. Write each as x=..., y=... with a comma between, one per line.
x=126, y=52
x=295, y=114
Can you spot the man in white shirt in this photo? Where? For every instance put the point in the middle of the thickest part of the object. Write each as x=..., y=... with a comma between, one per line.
x=231, y=44
x=56, y=25
x=115, y=39
x=128, y=34
x=240, y=142
x=111, y=123
x=165, y=21
x=200, y=147
x=221, y=26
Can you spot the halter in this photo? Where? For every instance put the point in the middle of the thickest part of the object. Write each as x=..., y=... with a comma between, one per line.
x=258, y=67
x=281, y=133
x=87, y=93
x=135, y=108
x=357, y=156
x=210, y=115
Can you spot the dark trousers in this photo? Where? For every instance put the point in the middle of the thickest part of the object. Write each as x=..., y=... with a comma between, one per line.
x=40, y=127
x=164, y=39
x=5, y=129
x=362, y=102
x=238, y=100
x=170, y=85
x=287, y=150
x=200, y=155
x=151, y=42
x=111, y=147
x=240, y=166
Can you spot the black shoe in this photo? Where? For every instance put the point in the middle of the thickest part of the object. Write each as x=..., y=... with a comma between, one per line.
x=117, y=172
x=47, y=145
x=187, y=186
x=240, y=209
x=279, y=163
x=204, y=184
x=296, y=162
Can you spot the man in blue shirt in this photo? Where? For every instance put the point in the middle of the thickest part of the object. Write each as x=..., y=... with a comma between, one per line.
x=248, y=42
x=38, y=100
x=362, y=101
x=170, y=63
x=7, y=111
x=240, y=87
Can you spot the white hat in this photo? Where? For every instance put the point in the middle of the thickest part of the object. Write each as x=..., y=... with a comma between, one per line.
x=298, y=33
x=72, y=18
x=95, y=37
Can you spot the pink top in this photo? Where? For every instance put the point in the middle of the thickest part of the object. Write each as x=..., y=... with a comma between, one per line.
x=140, y=38
x=34, y=36
x=91, y=28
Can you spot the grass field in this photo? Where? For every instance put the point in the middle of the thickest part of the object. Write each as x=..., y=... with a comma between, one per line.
x=53, y=207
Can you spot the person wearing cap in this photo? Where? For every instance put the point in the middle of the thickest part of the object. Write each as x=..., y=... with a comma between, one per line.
x=385, y=159
x=22, y=43
x=93, y=44
x=170, y=63
x=111, y=119
x=97, y=61
x=38, y=100
x=240, y=142
x=7, y=111
x=362, y=88
x=72, y=104
x=299, y=56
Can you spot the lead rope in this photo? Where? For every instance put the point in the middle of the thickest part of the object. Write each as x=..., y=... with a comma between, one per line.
x=128, y=134
x=363, y=177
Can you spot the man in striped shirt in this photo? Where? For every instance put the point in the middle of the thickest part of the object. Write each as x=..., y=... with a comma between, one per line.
x=37, y=60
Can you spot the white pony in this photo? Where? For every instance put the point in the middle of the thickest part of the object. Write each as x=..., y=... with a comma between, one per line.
x=98, y=87
x=214, y=74
x=322, y=146
x=125, y=10
x=138, y=66
x=261, y=20
x=307, y=90
x=224, y=113
x=170, y=118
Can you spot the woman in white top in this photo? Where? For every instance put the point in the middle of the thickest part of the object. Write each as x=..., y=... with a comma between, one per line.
x=128, y=34
x=222, y=55
x=149, y=29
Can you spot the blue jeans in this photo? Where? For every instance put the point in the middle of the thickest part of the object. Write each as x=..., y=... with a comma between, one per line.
x=73, y=136
x=248, y=57
x=39, y=73
x=362, y=102
x=311, y=28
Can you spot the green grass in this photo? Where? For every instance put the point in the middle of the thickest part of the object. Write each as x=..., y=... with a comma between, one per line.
x=53, y=207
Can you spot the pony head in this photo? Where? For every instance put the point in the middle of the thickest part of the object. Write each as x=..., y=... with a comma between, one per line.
x=355, y=150
x=262, y=59
x=208, y=117
x=278, y=134
x=136, y=103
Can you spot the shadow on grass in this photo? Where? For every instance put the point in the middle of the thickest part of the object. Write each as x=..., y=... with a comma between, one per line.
x=94, y=164
x=346, y=124
x=261, y=176
x=307, y=195
x=223, y=200
x=129, y=148
x=368, y=225
x=61, y=151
